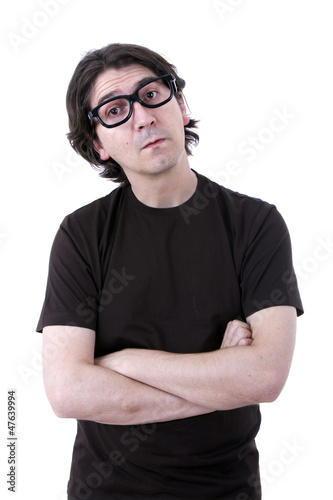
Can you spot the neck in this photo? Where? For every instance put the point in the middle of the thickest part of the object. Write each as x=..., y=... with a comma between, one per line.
x=167, y=189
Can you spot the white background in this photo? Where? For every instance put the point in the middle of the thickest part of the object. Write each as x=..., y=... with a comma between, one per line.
x=243, y=61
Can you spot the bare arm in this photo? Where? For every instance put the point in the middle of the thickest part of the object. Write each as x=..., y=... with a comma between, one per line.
x=77, y=388
x=234, y=376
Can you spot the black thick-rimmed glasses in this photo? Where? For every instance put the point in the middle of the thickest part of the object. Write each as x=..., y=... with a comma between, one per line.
x=152, y=94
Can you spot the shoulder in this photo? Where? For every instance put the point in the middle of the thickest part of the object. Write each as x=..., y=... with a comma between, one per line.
x=238, y=210
x=251, y=214
x=94, y=216
x=89, y=229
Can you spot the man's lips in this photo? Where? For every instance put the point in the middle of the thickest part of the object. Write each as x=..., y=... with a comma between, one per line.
x=152, y=143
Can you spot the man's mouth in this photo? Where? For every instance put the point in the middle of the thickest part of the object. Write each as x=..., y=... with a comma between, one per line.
x=154, y=142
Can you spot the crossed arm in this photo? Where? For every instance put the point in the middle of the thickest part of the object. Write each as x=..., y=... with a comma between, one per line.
x=137, y=386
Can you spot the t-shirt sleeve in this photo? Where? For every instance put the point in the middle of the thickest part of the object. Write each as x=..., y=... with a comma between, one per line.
x=72, y=292
x=267, y=274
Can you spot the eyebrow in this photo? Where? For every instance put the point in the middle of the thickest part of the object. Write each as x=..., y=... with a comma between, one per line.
x=115, y=93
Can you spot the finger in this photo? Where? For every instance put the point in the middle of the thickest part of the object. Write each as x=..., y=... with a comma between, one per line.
x=236, y=325
x=241, y=333
x=245, y=342
x=236, y=331
x=245, y=334
x=239, y=322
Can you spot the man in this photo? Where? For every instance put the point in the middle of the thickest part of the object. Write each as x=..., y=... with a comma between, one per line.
x=171, y=304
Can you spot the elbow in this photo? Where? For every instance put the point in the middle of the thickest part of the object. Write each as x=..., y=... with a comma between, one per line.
x=272, y=387
x=271, y=394
x=60, y=394
x=58, y=401
x=60, y=411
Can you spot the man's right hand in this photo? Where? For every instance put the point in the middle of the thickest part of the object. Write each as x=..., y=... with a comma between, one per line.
x=237, y=333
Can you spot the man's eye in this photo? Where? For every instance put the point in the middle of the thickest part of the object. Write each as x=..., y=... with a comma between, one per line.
x=113, y=111
x=151, y=95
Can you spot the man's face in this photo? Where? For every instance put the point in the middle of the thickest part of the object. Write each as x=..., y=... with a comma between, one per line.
x=152, y=140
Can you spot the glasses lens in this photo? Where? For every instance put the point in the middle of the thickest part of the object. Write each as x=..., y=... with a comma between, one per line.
x=155, y=93
x=114, y=111
x=151, y=95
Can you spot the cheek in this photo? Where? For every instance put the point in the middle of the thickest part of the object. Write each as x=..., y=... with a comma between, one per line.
x=121, y=151
x=110, y=144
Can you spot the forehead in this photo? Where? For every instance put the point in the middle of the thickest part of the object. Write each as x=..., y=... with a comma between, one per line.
x=118, y=81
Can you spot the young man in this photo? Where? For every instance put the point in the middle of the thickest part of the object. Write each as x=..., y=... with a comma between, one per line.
x=171, y=304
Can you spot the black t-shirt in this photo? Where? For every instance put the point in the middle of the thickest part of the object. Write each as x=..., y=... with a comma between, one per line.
x=168, y=279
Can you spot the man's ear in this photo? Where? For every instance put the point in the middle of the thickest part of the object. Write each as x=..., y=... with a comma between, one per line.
x=100, y=150
x=182, y=105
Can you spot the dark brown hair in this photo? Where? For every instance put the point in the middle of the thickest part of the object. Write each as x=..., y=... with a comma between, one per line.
x=81, y=132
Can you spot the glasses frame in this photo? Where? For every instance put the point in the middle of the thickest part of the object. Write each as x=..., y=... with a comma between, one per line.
x=170, y=79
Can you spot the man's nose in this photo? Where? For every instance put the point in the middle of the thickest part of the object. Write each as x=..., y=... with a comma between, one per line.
x=142, y=116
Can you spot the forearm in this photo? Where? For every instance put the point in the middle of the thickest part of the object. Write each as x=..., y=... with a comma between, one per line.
x=236, y=375
x=91, y=392
x=220, y=380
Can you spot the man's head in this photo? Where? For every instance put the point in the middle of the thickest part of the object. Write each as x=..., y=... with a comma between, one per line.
x=123, y=68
